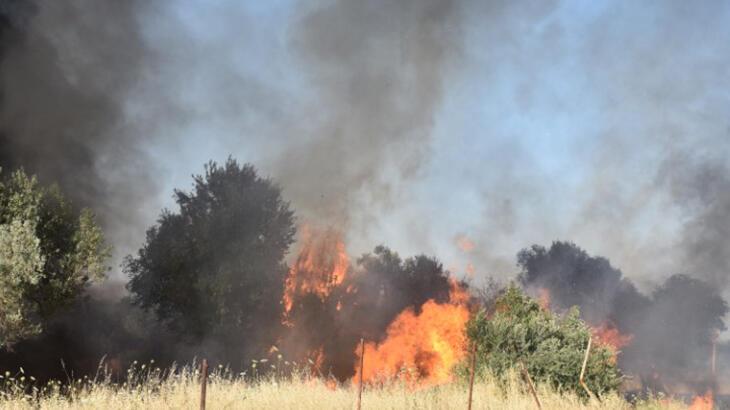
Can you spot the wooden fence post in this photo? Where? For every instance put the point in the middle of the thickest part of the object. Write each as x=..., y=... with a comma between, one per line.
x=583, y=370
x=471, y=372
x=527, y=377
x=362, y=363
x=203, y=382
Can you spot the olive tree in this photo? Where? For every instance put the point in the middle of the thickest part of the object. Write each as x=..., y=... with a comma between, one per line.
x=48, y=254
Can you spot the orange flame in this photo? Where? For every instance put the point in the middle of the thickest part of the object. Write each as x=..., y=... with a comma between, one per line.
x=421, y=348
x=608, y=335
x=543, y=298
x=464, y=243
x=331, y=383
x=705, y=402
x=316, y=359
x=321, y=265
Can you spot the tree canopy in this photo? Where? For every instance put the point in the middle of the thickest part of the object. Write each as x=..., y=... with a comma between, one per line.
x=215, y=269
x=575, y=278
x=48, y=254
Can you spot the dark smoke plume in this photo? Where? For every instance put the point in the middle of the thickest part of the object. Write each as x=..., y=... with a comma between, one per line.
x=66, y=71
x=700, y=185
x=85, y=91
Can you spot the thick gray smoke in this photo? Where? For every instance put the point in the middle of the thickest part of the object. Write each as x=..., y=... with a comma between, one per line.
x=665, y=139
x=67, y=70
x=377, y=71
x=91, y=91
x=701, y=186
x=408, y=122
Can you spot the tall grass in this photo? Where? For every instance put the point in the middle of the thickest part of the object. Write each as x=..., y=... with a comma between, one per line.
x=146, y=387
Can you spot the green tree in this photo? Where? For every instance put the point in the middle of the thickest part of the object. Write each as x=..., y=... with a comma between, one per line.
x=551, y=347
x=48, y=254
x=215, y=269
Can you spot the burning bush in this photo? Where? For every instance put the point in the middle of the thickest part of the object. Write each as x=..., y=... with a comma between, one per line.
x=551, y=347
x=421, y=347
x=329, y=304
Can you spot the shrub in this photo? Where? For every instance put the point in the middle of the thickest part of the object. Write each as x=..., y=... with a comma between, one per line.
x=551, y=347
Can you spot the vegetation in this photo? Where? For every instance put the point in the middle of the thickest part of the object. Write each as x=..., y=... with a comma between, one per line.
x=215, y=269
x=575, y=278
x=151, y=389
x=552, y=348
x=48, y=254
x=671, y=328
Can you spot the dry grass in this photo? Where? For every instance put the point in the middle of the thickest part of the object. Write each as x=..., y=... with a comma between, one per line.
x=151, y=390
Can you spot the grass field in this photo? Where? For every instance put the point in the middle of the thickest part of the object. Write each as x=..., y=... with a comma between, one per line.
x=149, y=390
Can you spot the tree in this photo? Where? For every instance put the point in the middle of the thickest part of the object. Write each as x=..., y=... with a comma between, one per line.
x=48, y=254
x=575, y=278
x=215, y=269
x=551, y=347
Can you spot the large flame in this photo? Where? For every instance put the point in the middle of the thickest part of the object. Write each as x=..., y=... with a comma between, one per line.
x=705, y=402
x=321, y=265
x=421, y=348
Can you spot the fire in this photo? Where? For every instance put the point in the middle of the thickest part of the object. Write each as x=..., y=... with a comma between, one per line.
x=705, y=402
x=321, y=266
x=543, y=298
x=464, y=243
x=607, y=334
x=421, y=348
x=316, y=360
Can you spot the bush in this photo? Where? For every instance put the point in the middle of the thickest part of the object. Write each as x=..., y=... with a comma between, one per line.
x=551, y=347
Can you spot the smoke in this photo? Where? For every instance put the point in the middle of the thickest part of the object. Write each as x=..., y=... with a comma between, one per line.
x=405, y=122
x=576, y=279
x=67, y=70
x=671, y=329
x=377, y=69
x=582, y=113
x=701, y=187
x=551, y=120
x=339, y=105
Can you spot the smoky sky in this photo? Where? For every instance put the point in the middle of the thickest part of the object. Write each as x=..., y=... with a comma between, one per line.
x=409, y=123
x=65, y=76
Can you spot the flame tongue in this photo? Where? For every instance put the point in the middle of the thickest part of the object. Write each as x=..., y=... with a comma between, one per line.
x=608, y=334
x=420, y=348
x=705, y=402
x=321, y=266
